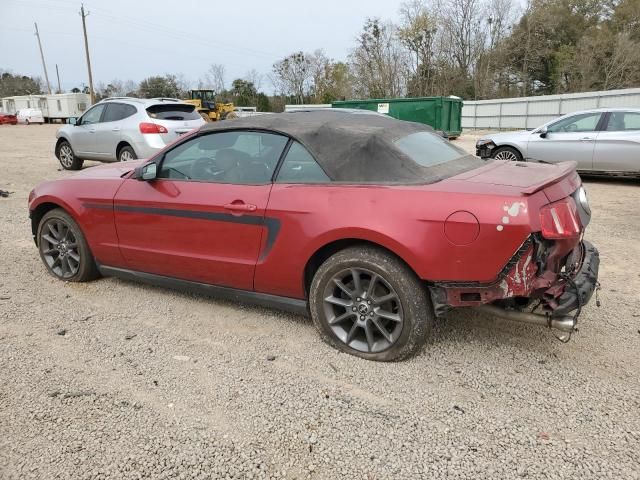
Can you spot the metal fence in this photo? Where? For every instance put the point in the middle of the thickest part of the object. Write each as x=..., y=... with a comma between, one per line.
x=531, y=112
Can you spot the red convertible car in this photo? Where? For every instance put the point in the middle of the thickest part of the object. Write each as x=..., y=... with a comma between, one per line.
x=372, y=225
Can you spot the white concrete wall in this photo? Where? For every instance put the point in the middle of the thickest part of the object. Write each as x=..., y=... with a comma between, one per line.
x=531, y=112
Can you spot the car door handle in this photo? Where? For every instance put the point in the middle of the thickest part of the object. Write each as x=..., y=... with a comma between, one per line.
x=93, y=130
x=115, y=129
x=240, y=207
x=586, y=139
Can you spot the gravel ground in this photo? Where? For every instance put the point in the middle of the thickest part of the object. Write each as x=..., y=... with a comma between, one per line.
x=112, y=379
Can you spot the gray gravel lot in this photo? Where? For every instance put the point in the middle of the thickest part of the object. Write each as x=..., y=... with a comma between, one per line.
x=113, y=379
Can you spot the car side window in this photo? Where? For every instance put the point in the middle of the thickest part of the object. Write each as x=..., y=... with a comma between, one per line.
x=93, y=115
x=623, y=121
x=118, y=111
x=299, y=166
x=239, y=157
x=585, y=122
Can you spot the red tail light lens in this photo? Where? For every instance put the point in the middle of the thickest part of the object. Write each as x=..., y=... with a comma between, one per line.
x=560, y=220
x=148, y=127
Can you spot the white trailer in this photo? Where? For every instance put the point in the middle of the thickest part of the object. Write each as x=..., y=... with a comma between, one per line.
x=57, y=107
x=17, y=103
x=63, y=106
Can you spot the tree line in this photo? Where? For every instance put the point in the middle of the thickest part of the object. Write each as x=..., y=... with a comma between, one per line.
x=474, y=49
x=477, y=49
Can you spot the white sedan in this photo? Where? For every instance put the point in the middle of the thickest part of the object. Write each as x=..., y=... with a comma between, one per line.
x=605, y=141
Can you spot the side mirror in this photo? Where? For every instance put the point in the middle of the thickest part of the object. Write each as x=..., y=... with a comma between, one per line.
x=72, y=121
x=147, y=172
x=543, y=132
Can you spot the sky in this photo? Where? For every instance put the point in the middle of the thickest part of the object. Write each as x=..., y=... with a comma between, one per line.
x=134, y=39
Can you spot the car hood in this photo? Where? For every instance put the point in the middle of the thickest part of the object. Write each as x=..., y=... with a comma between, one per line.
x=506, y=136
x=109, y=170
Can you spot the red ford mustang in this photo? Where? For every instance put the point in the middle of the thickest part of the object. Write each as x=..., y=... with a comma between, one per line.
x=372, y=225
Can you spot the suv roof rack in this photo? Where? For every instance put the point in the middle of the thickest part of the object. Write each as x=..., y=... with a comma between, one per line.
x=119, y=98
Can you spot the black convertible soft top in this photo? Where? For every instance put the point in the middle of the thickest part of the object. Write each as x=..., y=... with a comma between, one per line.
x=354, y=147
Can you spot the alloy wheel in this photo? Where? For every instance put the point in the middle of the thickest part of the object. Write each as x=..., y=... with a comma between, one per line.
x=506, y=155
x=125, y=156
x=59, y=248
x=66, y=156
x=363, y=310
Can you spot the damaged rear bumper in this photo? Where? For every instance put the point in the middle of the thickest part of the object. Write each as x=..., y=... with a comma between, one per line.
x=585, y=282
x=559, y=280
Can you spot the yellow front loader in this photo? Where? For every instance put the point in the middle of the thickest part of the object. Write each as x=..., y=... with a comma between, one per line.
x=211, y=111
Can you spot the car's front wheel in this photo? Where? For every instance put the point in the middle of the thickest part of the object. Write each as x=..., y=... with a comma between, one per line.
x=366, y=302
x=507, y=153
x=64, y=249
x=67, y=158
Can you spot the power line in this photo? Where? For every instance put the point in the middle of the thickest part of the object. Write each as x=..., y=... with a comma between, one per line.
x=44, y=65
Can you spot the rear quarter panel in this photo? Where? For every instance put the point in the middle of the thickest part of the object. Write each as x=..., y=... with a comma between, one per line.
x=409, y=221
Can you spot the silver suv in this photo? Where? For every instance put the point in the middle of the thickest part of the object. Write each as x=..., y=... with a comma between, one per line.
x=124, y=128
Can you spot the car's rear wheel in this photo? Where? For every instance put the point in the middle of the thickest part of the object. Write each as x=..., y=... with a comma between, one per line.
x=368, y=303
x=64, y=249
x=507, y=153
x=67, y=158
x=126, y=154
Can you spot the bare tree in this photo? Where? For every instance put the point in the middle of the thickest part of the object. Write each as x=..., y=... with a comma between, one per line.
x=214, y=78
x=501, y=15
x=379, y=62
x=183, y=85
x=117, y=88
x=254, y=77
x=417, y=33
x=292, y=75
x=130, y=88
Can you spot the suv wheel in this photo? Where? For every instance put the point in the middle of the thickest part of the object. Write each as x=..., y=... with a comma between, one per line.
x=63, y=248
x=367, y=303
x=126, y=154
x=67, y=158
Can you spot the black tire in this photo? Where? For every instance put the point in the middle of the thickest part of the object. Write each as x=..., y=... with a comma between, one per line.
x=126, y=154
x=411, y=302
x=67, y=158
x=80, y=267
x=507, y=153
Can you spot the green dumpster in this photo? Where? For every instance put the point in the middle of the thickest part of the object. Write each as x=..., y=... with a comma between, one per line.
x=441, y=113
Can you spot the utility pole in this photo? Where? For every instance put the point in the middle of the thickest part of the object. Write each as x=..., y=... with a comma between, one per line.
x=86, y=48
x=58, y=75
x=44, y=65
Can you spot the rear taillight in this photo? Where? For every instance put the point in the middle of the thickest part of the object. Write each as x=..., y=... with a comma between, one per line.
x=560, y=220
x=148, y=127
